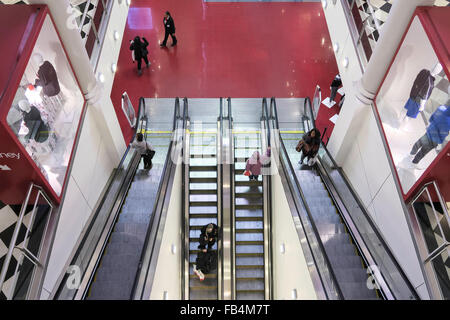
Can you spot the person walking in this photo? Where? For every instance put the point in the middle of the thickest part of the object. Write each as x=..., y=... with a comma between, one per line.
x=139, y=49
x=169, y=27
x=145, y=148
x=335, y=84
x=309, y=145
x=254, y=164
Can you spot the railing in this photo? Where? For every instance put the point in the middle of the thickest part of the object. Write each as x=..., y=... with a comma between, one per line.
x=149, y=258
x=267, y=205
x=327, y=278
x=431, y=224
x=232, y=200
x=389, y=277
x=84, y=262
x=220, y=187
x=27, y=276
x=185, y=200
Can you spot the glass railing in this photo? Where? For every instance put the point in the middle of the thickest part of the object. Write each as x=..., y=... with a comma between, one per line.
x=387, y=274
x=431, y=220
x=22, y=269
x=80, y=264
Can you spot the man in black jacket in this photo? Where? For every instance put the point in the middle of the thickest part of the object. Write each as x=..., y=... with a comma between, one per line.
x=169, y=27
x=140, y=51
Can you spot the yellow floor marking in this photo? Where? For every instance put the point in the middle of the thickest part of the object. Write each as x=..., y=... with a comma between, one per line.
x=292, y=131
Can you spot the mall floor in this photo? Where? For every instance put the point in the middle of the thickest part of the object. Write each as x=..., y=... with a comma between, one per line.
x=229, y=49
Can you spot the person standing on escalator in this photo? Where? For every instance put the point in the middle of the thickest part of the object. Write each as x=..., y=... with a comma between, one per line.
x=254, y=164
x=145, y=149
x=206, y=258
x=309, y=145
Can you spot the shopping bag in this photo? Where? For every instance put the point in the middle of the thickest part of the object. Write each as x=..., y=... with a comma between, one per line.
x=247, y=173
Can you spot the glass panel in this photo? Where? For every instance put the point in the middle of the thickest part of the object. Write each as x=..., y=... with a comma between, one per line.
x=414, y=106
x=36, y=222
x=46, y=109
x=366, y=228
x=441, y=266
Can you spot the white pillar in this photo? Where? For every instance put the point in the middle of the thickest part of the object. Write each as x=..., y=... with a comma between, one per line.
x=357, y=107
x=64, y=19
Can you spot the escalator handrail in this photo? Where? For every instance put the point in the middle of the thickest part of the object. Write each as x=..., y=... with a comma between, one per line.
x=364, y=212
x=160, y=196
x=274, y=118
x=138, y=124
x=232, y=201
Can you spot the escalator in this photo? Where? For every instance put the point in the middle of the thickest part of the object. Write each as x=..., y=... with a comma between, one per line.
x=202, y=205
x=249, y=219
x=355, y=262
x=346, y=262
x=201, y=192
x=112, y=249
x=251, y=243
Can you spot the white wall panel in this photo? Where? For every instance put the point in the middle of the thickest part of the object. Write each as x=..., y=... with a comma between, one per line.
x=168, y=269
x=67, y=233
x=290, y=270
x=392, y=223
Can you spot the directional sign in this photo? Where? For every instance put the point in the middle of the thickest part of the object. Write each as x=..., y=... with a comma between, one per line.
x=5, y=168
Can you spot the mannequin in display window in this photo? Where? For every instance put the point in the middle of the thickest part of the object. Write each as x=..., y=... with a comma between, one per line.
x=35, y=128
x=420, y=92
x=437, y=132
x=46, y=76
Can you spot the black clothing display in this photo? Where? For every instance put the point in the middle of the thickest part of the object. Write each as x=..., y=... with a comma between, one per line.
x=422, y=86
x=169, y=27
x=38, y=131
x=208, y=239
x=47, y=79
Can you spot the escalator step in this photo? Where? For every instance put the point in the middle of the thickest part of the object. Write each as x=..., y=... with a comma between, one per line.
x=246, y=267
x=249, y=254
x=203, y=180
x=249, y=230
x=202, y=191
x=249, y=195
x=249, y=243
x=200, y=216
x=249, y=218
x=202, y=168
x=248, y=183
x=202, y=203
x=247, y=284
x=249, y=206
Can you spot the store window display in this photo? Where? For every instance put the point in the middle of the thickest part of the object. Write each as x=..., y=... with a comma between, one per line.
x=412, y=103
x=46, y=110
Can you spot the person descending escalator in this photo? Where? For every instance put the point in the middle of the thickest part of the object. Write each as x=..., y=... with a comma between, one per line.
x=254, y=164
x=206, y=258
x=309, y=146
x=145, y=148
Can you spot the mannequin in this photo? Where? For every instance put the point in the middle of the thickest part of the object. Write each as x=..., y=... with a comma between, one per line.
x=420, y=92
x=31, y=119
x=46, y=76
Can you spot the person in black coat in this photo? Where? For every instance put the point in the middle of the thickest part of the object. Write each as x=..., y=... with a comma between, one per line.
x=208, y=236
x=169, y=27
x=335, y=84
x=140, y=51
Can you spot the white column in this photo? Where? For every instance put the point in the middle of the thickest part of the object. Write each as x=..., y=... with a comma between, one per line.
x=64, y=19
x=357, y=107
